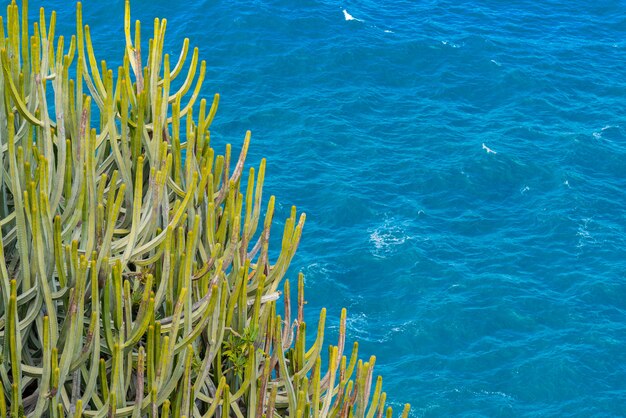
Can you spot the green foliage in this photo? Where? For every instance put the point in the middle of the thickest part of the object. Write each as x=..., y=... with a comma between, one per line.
x=135, y=277
x=238, y=347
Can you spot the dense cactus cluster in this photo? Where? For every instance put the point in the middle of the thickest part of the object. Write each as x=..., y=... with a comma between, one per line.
x=135, y=278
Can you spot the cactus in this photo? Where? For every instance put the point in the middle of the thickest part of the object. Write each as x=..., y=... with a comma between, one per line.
x=135, y=276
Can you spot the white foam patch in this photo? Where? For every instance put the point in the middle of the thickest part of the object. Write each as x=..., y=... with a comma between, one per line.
x=585, y=238
x=349, y=17
x=319, y=272
x=598, y=134
x=359, y=325
x=489, y=150
x=497, y=393
x=450, y=44
x=386, y=237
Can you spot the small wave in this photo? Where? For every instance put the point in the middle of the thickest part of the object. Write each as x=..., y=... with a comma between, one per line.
x=349, y=17
x=497, y=393
x=322, y=272
x=598, y=134
x=359, y=326
x=489, y=150
x=496, y=63
x=584, y=236
x=319, y=269
x=386, y=237
x=450, y=44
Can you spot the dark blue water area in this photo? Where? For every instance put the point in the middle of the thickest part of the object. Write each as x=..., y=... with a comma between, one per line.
x=463, y=170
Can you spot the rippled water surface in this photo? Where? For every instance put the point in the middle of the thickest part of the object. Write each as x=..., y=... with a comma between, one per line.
x=463, y=168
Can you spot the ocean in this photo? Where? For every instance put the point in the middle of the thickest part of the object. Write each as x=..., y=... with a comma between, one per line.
x=462, y=165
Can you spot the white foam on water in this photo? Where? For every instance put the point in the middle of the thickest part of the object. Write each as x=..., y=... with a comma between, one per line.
x=358, y=324
x=349, y=17
x=451, y=44
x=598, y=134
x=489, y=150
x=497, y=63
x=524, y=189
x=385, y=237
x=323, y=271
x=497, y=393
x=585, y=237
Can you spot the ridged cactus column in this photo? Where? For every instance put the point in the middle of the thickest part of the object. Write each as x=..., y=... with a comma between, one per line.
x=135, y=276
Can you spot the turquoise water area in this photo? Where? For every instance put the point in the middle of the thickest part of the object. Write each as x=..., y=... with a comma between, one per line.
x=463, y=168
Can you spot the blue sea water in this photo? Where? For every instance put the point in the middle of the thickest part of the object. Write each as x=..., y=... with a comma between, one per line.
x=462, y=165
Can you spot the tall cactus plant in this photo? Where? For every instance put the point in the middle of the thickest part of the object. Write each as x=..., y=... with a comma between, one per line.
x=135, y=278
